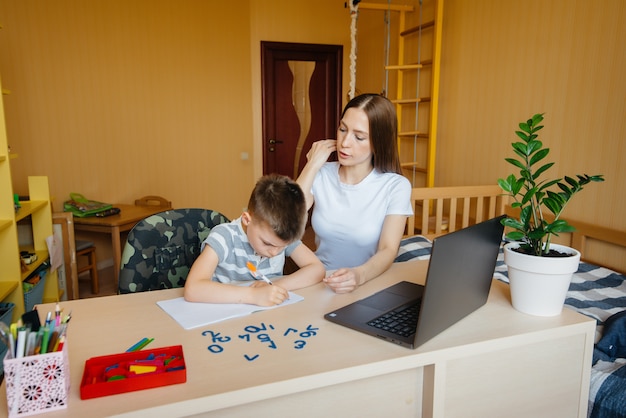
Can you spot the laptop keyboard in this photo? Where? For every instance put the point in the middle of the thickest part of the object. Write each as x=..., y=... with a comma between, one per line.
x=402, y=321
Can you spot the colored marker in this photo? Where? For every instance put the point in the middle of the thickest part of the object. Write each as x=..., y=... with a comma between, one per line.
x=140, y=344
x=44, y=341
x=21, y=342
x=256, y=275
x=145, y=343
x=136, y=345
x=57, y=315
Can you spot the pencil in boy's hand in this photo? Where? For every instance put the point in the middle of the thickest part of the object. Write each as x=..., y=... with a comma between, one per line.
x=256, y=276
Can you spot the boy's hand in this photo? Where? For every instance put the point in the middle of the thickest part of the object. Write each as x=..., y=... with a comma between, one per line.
x=268, y=295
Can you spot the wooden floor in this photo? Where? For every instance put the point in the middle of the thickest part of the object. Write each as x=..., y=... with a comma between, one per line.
x=106, y=282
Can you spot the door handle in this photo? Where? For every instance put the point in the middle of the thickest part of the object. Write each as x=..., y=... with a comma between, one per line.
x=274, y=141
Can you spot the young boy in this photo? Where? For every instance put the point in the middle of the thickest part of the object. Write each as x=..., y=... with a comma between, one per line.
x=264, y=235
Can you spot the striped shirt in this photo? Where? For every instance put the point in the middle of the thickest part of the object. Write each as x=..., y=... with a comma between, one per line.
x=230, y=243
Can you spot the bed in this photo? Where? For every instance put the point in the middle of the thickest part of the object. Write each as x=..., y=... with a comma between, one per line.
x=598, y=288
x=595, y=291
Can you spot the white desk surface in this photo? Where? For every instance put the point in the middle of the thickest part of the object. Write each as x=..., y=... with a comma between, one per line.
x=109, y=325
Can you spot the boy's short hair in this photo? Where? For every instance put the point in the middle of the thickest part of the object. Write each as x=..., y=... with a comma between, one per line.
x=279, y=201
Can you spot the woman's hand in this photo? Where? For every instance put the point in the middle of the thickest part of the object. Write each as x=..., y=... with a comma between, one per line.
x=268, y=295
x=320, y=151
x=316, y=157
x=343, y=280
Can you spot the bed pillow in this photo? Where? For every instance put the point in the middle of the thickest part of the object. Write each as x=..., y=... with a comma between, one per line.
x=613, y=341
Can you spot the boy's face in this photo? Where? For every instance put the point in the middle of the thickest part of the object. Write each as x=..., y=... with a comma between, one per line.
x=262, y=237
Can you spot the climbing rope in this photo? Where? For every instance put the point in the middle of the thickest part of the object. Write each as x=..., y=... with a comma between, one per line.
x=354, y=15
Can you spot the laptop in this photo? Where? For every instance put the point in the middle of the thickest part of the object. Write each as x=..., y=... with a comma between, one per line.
x=457, y=283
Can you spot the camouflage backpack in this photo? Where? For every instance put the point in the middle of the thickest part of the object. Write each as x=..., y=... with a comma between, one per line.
x=161, y=248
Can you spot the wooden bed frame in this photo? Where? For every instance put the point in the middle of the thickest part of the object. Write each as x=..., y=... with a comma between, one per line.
x=439, y=210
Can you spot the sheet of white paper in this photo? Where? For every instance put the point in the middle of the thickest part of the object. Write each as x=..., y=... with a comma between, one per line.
x=55, y=250
x=192, y=315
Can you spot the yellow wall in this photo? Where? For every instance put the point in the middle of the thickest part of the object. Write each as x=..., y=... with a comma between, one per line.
x=116, y=99
x=121, y=98
x=311, y=22
x=503, y=61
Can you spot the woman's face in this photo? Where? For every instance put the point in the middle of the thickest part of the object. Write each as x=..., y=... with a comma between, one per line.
x=353, y=139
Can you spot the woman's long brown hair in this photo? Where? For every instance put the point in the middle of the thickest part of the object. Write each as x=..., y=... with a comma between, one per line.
x=383, y=125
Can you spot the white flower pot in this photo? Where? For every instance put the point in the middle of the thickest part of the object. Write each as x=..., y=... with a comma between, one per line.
x=539, y=284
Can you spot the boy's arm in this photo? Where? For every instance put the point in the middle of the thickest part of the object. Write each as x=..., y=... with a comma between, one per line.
x=311, y=270
x=200, y=286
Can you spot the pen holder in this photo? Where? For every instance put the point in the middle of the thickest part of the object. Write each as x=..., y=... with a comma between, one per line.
x=38, y=383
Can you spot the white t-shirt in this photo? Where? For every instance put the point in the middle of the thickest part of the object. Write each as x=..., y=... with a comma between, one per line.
x=348, y=219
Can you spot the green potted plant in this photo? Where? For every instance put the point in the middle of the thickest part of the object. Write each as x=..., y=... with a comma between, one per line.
x=531, y=251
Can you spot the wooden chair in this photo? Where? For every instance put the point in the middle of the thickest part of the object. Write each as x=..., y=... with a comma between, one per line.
x=154, y=201
x=88, y=249
x=439, y=210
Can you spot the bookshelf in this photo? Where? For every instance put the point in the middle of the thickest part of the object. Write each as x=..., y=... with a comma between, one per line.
x=38, y=213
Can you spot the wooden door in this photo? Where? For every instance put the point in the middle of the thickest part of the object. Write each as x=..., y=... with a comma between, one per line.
x=301, y=86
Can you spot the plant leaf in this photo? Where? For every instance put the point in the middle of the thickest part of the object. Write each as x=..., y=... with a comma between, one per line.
x=559, y=225
x=525, y=126
x=549, y=184
x=515, y=163
x=532, y=194
x=539, y=155
x=522, y=135
x=537, y=118
x=573, y=182
x=554, y=206
x=515, y=235
x=541, y=169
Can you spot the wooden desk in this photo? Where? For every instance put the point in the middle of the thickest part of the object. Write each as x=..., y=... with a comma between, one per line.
x=496, y=362
x=116, y=224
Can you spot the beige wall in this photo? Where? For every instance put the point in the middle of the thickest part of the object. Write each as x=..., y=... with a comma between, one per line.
x=503, y=61
x=116, y=99
x=312, y=22
x=121, y=98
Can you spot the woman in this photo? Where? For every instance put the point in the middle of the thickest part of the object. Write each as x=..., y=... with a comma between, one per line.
x=361, y=200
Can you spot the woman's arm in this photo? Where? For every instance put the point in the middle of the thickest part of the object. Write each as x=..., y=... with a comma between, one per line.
x=345, y=280
x=311, y=270
x=316, y=157
x=200, y=287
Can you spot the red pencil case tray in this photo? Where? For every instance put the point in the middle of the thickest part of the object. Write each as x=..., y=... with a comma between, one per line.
x=94, y=383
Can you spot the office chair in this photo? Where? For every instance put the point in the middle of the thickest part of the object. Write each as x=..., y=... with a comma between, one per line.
x=161, y=248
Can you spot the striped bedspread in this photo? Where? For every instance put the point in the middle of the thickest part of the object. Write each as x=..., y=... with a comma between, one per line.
x=594, y=291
